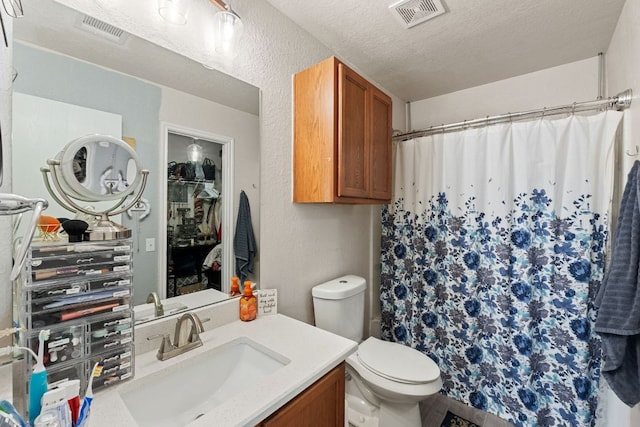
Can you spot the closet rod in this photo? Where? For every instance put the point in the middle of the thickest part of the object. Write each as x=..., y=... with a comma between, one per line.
x=619, y=102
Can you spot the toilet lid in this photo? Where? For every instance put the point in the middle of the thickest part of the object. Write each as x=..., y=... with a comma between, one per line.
x=397, y=362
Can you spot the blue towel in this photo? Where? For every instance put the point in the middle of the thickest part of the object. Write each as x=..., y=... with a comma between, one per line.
x=618, y=299
x=244, y=242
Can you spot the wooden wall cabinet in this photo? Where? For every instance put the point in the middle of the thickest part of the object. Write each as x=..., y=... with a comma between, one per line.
x=320, y=405
x=342, y=137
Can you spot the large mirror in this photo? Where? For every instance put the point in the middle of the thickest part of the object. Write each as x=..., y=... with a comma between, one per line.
x=75, y=76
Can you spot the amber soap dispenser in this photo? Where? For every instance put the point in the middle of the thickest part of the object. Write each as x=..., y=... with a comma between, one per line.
x=248, y=303
x=235, y=287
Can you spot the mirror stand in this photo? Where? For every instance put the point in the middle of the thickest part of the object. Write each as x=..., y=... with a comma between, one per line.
x=104, y=228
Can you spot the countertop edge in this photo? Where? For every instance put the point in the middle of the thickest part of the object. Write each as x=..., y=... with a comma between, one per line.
x=313, y=353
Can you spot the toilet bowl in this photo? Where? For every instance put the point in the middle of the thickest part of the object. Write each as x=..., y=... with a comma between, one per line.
x=394, y=378
x=385, y=380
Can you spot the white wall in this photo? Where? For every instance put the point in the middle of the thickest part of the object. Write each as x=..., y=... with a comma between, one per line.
x=189, y=111
x=197, y=113
x=565, y=84
x=6, y=55
x=623, y=72
x=300, y=245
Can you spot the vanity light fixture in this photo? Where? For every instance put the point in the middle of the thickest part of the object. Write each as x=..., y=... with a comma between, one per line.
x=228, y=28
x=195, y=153
x=174, y=11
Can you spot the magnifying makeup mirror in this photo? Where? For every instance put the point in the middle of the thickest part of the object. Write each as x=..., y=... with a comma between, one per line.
x=96, y=168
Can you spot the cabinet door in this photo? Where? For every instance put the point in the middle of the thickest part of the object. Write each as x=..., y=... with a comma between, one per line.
x=353, y=153
x=321, y=405
x=380, y=145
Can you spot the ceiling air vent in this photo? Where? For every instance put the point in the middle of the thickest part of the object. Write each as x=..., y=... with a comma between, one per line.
x=413, y=12
x=101, y=28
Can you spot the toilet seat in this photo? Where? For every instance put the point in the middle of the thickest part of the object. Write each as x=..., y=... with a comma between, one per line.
x=397, y=362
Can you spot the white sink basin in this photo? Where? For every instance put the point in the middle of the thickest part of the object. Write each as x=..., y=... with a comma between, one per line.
x=146, y=314
x=187, y=390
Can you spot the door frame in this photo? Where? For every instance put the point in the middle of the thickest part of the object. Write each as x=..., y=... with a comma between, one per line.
x=227, y=143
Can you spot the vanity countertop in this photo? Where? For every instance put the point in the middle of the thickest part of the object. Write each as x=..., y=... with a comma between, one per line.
x=313, y=352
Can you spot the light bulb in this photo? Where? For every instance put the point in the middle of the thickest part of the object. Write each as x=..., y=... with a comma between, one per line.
x=194, y=153
x=228, y=29
x=173, y=11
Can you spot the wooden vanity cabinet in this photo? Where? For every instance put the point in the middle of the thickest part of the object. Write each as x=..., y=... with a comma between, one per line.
x=320, y=405
x=342, y=137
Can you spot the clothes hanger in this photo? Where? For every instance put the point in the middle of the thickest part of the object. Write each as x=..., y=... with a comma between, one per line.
x=209, y=192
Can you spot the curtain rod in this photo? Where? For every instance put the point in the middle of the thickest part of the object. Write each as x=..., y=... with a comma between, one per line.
x=619, y=102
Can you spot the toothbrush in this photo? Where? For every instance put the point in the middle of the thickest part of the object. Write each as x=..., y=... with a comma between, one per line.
x=38, y=385
x=83, y=417
x=8, y=408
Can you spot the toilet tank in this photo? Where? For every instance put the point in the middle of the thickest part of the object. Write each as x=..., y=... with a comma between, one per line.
x=338, y=306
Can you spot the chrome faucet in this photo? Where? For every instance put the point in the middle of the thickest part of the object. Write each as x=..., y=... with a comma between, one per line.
x=168, y=349
x=157, y=304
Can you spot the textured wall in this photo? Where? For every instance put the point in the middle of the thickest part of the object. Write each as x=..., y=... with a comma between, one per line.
x=300, y=246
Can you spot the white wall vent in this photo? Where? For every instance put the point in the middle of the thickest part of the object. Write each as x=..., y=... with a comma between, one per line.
x=100, y=28
x=413, y=12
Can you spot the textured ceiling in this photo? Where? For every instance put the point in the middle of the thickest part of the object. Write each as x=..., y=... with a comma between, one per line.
x=474, y=43
x=53, y=26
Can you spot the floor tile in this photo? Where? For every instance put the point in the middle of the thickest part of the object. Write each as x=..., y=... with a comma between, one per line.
x=435, y=408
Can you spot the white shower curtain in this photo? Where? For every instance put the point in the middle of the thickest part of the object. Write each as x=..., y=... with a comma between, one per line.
x=492, y=250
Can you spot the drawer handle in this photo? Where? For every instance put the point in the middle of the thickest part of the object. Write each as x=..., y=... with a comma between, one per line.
x=111, y=344
x=111, y=380
x=111, y=359
x=111, y=370
x=83, y=260
x=107, y=284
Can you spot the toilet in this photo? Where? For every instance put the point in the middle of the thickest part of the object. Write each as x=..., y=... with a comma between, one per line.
x=385, y=380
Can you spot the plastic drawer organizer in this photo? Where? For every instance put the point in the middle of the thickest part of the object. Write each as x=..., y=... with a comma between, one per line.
x=82, y=292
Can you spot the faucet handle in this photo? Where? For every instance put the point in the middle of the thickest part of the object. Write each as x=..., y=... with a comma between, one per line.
x=165, y=344
x=156, y=336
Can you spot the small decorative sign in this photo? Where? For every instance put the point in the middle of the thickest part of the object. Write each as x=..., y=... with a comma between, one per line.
x=267, y=302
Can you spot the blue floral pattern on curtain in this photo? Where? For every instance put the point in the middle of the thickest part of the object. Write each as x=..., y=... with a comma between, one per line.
x=503, y=304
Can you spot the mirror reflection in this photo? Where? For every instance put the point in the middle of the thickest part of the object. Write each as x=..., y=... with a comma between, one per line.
x=71, y=82
x=95, y=168
x=99, y=168
x=194, y=215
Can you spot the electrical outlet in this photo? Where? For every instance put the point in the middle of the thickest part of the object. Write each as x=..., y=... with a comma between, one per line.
x=150, y=244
